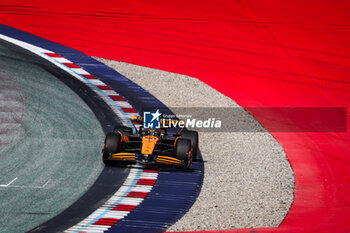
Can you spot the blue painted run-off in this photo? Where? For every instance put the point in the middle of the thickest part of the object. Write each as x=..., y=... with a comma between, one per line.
x=175, y=191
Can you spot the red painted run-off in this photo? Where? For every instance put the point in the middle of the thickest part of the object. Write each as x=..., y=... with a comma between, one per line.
x=260, y=53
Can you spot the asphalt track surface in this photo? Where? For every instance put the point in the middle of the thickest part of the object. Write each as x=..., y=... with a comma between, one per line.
x=55, y=162
x=259, y=53
x=174, y=192
x=45, y=162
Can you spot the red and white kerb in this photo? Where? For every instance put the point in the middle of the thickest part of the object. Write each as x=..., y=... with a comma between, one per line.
x=135, y=189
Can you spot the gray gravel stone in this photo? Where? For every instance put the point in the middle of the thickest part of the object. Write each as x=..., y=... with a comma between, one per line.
x=248, y=181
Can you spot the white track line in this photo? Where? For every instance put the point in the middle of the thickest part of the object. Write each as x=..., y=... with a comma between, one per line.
x=6, y=185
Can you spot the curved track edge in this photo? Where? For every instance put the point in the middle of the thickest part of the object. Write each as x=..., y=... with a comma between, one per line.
x=173, y=193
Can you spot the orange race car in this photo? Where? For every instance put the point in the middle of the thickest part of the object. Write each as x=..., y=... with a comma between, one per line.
x=150, y=146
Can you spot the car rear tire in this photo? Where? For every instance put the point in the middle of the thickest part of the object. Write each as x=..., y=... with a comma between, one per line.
x=183, y=152
x=194, y=138
x=112, y=146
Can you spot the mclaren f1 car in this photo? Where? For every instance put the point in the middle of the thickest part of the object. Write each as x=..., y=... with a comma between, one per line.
x=150, y=146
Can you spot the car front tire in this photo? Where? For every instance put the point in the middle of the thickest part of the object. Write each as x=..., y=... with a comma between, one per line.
x=111, y=146
x=184, y=152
